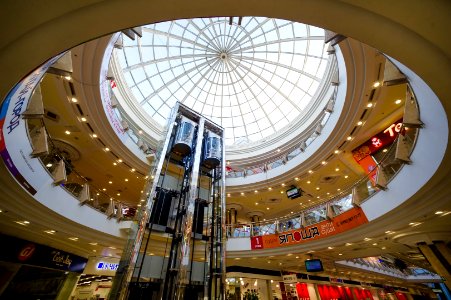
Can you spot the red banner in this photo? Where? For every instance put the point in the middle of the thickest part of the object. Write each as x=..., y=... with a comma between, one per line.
x=346, y=221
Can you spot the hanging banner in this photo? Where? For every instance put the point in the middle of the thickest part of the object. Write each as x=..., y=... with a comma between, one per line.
x=15, y=147
x=341, y=223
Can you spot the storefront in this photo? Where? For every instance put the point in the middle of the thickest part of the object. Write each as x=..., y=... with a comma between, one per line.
x=96, y=281
x=34, y=271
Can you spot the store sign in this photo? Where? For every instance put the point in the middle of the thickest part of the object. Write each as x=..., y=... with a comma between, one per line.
x=289, y=278
x=341, y=223
x=21, y=251
x=378, y=141
x=107, y=266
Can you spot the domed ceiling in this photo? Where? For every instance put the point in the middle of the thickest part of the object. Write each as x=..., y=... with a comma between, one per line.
x=253, y=76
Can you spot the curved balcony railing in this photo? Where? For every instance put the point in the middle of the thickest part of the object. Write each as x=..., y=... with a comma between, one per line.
x=283, y=159
x=75, y=184
x=364, y=189
x=136, y=135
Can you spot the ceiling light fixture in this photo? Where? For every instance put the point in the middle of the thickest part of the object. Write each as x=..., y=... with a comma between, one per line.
x=398, y=101
x=83, y=119
x=349, y=138
x=67, y=132
x=359, y=123
x=369, y=105
x=74, y=100
x=376, y=84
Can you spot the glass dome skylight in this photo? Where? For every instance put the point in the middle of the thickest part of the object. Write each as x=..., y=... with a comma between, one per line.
x=253, y=79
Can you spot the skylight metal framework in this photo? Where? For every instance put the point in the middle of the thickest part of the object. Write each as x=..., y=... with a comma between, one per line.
x=253, y=79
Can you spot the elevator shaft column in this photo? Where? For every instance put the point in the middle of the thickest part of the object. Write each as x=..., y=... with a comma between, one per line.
x=187, y=227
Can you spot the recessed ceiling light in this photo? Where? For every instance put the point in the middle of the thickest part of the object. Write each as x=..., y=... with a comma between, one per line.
x=112, y=248
x=385, y=150
x=126, y=179
x=74, y=100
x=283, y=184
x=359, y=123
x=398, y=101
x=338, y=190
x=278, y=150
x=337, y=169
x=242, y=194
x=300, y=203
x=376, y=84
x=337, y=151
x=107, y=149
x=281, y=192
x=83, y=119
x=67, y=132
x=133, y=170
x=270, y=188
x=67, y=77
x=256, y=203
x=349, y=138
x=228, y=195
x=297, y=179
x=323, y=162
x=369, y=105
x=110, y=182
x=50, y=231
x=346, y=176
x=104, y=189
x=73, y=239
x=118, y=194
x=255, y=191
x=439, y=212
x=340, y=254
x=114, y=164
x=142, y=200
x=94, y=135
x=330, y=248
x=23, y=223
x=140, y=132
x=139, y=205
x=49, y=165
x=267, y=208
x=383, y=248
x=310, y=171
x=308, y=182
x=119, y=160
x=367, y=239
x=317, y=188
x=328, y=193
x=374, y=244
x=348, y=244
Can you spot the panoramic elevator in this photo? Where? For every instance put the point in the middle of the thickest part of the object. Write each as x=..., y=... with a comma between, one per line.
x=176, y=248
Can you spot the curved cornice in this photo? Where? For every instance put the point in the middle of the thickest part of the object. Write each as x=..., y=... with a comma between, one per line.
x=87, y=61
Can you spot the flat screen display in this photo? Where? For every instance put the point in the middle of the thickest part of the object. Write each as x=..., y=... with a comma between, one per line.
x=293, y=193
x=313, y=265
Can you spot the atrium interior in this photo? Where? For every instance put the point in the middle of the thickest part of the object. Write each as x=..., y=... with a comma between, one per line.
x=230, y=157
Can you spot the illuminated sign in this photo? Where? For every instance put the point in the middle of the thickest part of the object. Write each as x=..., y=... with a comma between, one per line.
x=378, y=141
x=107, y=266
x=341, y=223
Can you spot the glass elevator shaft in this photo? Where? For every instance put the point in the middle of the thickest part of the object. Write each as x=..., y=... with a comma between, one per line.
x=176, y=248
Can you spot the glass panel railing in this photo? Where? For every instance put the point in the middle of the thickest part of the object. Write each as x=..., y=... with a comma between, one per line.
x=387, y=168
x=74, y=181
